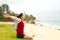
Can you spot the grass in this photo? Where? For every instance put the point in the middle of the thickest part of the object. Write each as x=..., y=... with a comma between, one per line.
x=7, y=33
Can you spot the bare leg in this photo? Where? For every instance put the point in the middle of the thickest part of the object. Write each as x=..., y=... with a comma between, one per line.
x=28, y=37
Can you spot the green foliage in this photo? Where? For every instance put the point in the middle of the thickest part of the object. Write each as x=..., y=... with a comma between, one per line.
x=27, y=18
x=11, y=13
x=5, y=7
x=0, y=11
x=30, y=18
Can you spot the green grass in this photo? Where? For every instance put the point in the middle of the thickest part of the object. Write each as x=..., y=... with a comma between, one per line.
x=7, y=33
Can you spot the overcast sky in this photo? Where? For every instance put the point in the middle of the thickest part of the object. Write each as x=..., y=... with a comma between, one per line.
x=41, y=9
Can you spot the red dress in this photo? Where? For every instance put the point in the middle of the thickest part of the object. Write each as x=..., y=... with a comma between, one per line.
x=20, y=28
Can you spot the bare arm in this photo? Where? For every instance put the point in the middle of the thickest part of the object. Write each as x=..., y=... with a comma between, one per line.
x=12, y=17
x=6, y=15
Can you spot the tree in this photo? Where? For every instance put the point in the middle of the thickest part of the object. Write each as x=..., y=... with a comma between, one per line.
x=31, y=17
x=34, y=18
x=0, y=10
x=27, y=18
x=5, y=8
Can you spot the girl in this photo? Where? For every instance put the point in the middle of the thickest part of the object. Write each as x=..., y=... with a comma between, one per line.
x=20, y=25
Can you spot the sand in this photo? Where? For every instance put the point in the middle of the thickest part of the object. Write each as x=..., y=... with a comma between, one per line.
x=42, y=32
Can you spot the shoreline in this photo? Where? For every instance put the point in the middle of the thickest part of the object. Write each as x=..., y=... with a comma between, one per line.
x=49, y=25
x=43, y=32
x=38, y=24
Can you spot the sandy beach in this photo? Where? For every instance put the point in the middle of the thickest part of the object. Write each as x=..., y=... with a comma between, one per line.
x=38, y=32
x=42, y=32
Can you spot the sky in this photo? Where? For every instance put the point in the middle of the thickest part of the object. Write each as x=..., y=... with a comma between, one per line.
x=41, y=9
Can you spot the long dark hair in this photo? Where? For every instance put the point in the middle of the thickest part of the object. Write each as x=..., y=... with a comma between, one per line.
x=20, y=15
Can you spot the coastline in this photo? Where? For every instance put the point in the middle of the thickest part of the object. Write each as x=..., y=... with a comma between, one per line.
x=38, y=32
x=49, y=25
x=44, y=32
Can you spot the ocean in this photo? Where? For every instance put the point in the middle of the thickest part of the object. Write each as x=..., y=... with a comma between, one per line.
x=54, y=23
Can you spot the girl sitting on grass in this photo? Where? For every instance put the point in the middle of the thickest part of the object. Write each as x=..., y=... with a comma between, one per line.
x=20, y=25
